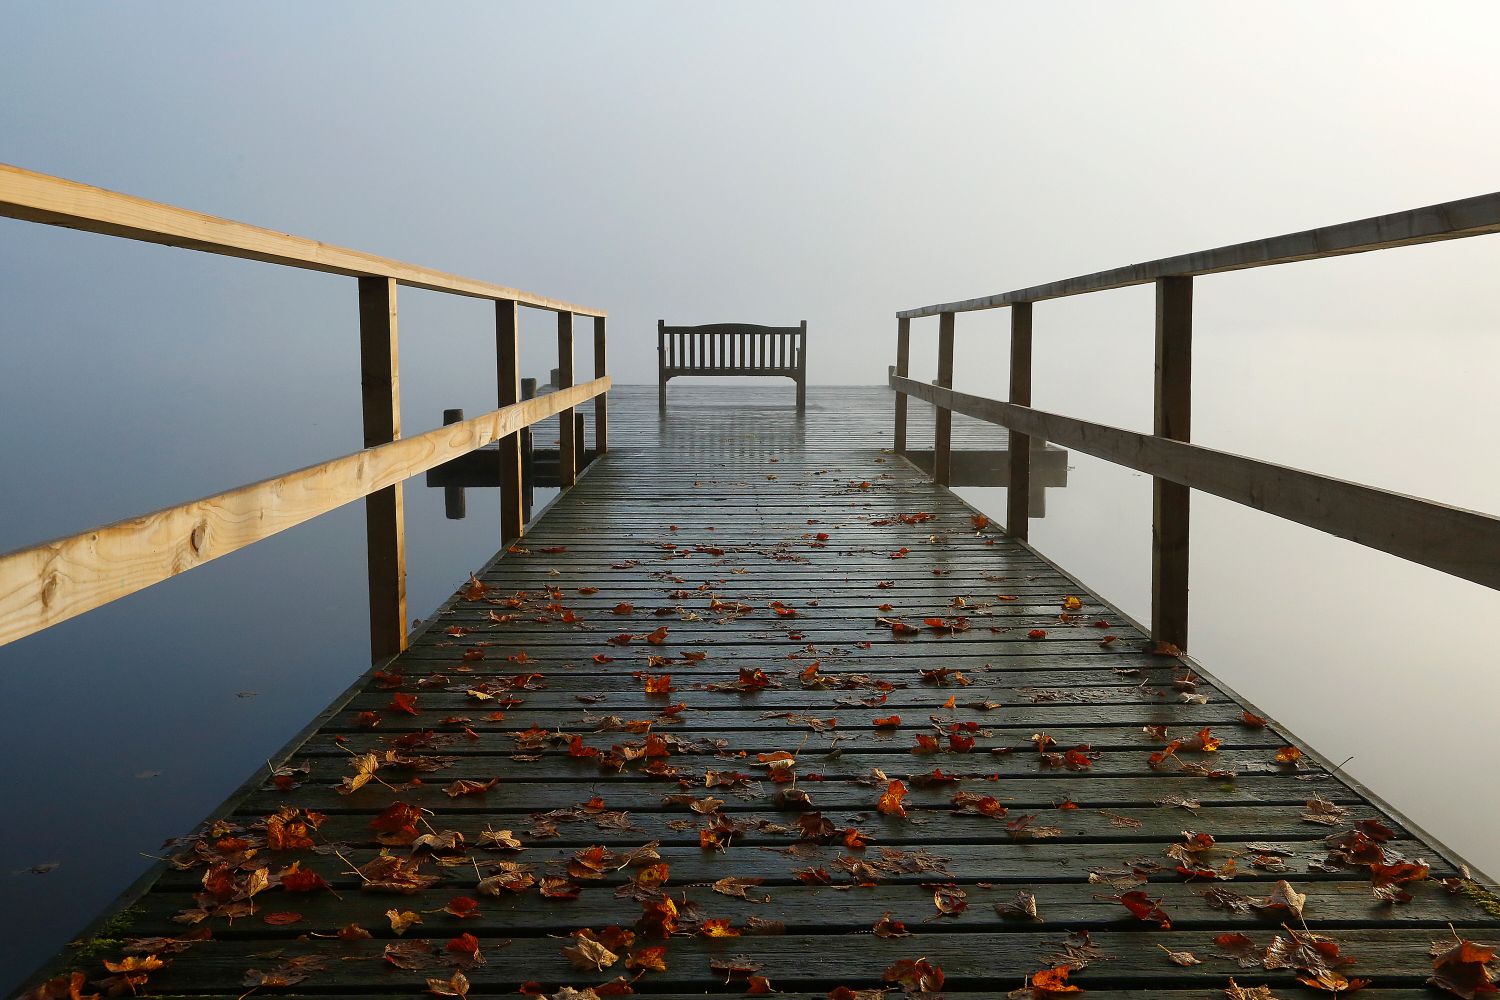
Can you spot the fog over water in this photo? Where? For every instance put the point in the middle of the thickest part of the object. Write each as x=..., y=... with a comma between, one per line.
x=761, y=162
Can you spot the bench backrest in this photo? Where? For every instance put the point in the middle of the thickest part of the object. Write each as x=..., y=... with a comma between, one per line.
x=732, y=349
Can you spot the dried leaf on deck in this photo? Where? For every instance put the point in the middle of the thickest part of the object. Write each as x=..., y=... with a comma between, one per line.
x=915, y=975
x=1324, y=812
x=1462, y=967
x=1023, y=907
x=740, y=888
x=288, y=973
x=589, y=952
x=457, y=986
x=1146, y=909
x=1186, y=959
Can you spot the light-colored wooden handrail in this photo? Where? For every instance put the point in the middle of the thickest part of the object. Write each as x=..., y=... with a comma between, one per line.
x=1451, y=540
x=1448, y=221
x=34, y=197
x=51, y=582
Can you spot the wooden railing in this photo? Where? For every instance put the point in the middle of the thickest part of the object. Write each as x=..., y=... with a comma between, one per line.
x=51, y=582
x=1459, y=542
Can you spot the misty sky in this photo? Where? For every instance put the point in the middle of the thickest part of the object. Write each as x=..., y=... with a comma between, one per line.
x=834, y=162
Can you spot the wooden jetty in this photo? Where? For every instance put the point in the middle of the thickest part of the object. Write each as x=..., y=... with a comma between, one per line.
x=756, y=704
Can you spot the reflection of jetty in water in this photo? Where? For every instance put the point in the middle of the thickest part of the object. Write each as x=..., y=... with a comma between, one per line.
x=836, y=417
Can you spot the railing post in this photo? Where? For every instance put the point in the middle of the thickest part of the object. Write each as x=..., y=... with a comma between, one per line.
x=601, y=403
x=1018, y=493
x=802, y=369
x=942, y=438
x=567, y=434
x=508, y=376
x=903, y=367
x=1169, y=526
x=661, y=365
x=385, y=526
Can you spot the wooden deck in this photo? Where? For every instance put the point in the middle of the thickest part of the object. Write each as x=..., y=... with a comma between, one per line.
x=754, y=556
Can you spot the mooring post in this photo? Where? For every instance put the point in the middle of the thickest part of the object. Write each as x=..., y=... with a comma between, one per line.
x=455, y=504
x=508, y=375
x=903, y=367
x=1169, y=501
x=528, y=468
x=1018, y=491
x=385, y=525
x=567, y=433
x=942, y=439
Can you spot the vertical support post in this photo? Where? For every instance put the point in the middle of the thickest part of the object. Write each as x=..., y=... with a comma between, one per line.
x=567, y=435
x=508, y=376
x=802, y=369
x=942, y=439
x=1018, y=492
x=601, y=403
x=902, y=369
x=385, y=525
x=528, y=466
x=661, y=365
x=1169, y=501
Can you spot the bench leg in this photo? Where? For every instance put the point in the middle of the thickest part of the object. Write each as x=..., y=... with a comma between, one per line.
x=801, y=394
x=661, y=396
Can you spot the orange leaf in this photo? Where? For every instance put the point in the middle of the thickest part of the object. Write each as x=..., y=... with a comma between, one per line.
x=890, y=800
x=1050, y=982
x=462, y=907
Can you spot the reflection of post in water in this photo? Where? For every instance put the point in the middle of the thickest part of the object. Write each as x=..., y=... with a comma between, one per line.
x=991, y=467
x=481, y=467
x=454, y=504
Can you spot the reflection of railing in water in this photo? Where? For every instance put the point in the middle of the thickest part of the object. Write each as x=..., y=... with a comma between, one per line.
x=1459, y=542
x=480, y=468
x=48, y=583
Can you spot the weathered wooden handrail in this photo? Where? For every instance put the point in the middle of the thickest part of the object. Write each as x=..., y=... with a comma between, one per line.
x=1459, y=542
x=1449, y=539
x=48, y=583
x=1450, y=220
x=54, y=581
x=35, y=197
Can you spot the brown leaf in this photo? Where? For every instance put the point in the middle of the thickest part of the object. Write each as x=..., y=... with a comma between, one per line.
x=1023, y=907
x=1462, y=967
x=740, y=888
x=458, y=986
x=589, y=953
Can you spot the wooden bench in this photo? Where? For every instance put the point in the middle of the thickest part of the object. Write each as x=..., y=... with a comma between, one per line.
x=732, y=349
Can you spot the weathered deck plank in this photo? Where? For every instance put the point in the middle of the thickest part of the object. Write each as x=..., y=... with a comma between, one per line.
x=718, y=505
